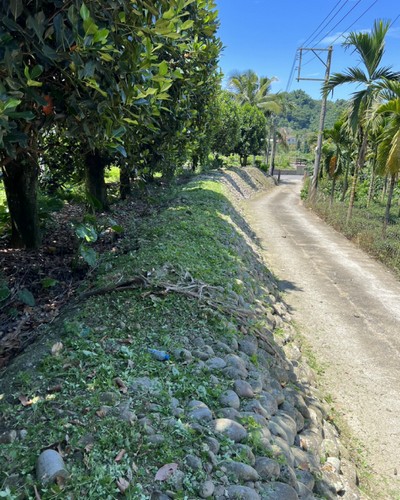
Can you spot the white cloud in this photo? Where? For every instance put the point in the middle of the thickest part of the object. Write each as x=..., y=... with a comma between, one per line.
x=394, y=33
x=339, y=37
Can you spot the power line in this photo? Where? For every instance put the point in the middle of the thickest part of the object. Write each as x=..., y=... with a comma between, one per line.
x=344, y=31
x=347, y=29
x=290, y=79
x=322, y=22
x=327, y=24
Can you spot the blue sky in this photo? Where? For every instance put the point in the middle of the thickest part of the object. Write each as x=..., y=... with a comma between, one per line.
x=263, y=35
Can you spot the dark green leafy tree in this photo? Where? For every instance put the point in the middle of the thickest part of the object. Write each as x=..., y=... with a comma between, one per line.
x=227, y=124
x=252, y=132
x=100, y=70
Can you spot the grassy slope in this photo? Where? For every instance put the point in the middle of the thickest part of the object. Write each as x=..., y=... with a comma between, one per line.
x=107, y=337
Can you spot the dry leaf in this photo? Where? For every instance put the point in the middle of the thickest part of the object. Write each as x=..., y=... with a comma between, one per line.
x=24, y=400
x=122, y=387
x=89, y=447
x=57, y=348
x=101, y=413
x=122, y=484
x=120, y=456
x=166, y=471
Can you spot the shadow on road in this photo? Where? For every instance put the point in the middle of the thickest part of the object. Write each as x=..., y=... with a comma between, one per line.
x=287, y=286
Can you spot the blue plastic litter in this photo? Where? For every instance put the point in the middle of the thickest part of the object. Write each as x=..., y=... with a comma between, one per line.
x=160, y=355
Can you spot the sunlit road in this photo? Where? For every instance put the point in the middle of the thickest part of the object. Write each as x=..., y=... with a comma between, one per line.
x=348, y=307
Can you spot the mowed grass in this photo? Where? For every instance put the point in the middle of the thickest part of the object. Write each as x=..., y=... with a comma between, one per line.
x=73, y=401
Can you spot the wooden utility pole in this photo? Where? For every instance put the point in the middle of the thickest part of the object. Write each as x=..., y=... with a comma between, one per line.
x=318, y=151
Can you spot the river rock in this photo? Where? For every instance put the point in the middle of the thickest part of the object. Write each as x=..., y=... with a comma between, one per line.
x=243, y=389
x=268, y=402
x=199, y=411
x=212, y=444
x=8, y=437
x=244, y=452
x=249, y=346
x=305, y=477
x=288, y=476
x=242, y=493
x=207, y=489
x=239, y=471
x=229, y=413
x=216, y=363
x=287, y=424
x=267, y=468
x=193, y=462
x=279, y=491
x=236, y=361
x=230, y=398
x=229, y=428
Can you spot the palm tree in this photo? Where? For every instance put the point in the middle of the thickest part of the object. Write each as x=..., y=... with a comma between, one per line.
x=370, y=47
x=338, y=137
x=389, y=148
x=249, y=88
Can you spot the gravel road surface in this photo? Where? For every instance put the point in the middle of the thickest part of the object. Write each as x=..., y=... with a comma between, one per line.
x=348, y=307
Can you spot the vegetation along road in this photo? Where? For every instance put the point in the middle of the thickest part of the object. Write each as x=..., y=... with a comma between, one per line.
x=348, y=307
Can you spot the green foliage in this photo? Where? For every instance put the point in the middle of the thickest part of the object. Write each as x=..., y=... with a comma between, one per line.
x=123, y=78
x=227, y=124
x=303, y=111
x=252, y=132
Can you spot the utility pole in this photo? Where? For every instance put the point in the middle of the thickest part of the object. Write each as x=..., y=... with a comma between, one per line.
x=318, y=151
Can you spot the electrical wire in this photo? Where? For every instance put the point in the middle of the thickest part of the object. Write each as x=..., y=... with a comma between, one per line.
x=344, y=31
x=327, y=24
x=322, y=22
x=290, y=79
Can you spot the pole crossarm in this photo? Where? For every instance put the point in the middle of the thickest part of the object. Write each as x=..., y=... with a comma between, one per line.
x=318, y=150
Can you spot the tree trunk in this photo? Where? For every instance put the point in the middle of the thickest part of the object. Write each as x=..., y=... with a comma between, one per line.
x=332, y=191
x=195, y=162
x=20, y=184
x=95, y=182
x=360, y=163
x=384, y=189
x=267, y=149
x=345, y=183
x=371, y=189
x=389, y=203
x=124, y=181
x=273, y=151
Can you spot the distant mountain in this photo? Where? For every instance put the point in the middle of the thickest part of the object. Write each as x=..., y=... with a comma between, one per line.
x=304, y=112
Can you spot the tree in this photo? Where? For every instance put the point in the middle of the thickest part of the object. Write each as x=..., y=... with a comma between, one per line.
x=338, y=137
x=106, y=71
x=227, y=126
x=249, y=88
x=370, y=47
x=252, y=132
x=389, y=148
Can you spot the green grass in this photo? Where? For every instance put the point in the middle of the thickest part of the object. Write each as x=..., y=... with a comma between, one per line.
x=198, y=231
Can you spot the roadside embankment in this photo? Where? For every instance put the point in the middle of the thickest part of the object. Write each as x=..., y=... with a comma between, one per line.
x=232, y=413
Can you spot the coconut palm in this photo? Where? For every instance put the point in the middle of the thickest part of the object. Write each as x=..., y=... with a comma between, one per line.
x=249, y=88
x=370, y=47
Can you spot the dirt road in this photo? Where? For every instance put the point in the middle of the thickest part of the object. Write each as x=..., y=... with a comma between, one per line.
x=348, y=307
